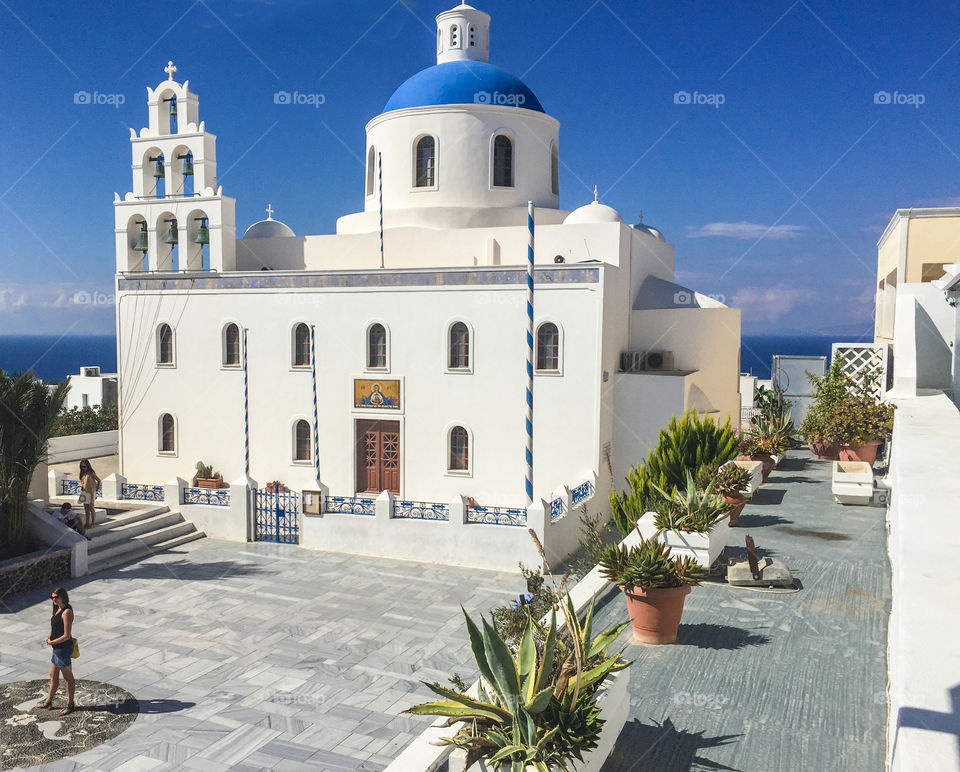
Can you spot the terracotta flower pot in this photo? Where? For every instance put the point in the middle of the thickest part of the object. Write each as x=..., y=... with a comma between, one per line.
x=655, y=612
x=209, y=482
x=825, y=450
x=737, y=502
x=768, y=463
x=865, y=451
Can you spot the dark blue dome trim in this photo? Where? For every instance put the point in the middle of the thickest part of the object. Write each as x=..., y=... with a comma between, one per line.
x=463, y=82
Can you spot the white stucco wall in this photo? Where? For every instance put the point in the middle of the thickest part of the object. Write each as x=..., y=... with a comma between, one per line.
x=923, y=340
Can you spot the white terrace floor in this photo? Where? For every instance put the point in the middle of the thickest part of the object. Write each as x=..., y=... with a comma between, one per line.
x=254, y=656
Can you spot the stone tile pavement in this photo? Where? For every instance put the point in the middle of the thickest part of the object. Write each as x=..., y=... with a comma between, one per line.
x=260, y=656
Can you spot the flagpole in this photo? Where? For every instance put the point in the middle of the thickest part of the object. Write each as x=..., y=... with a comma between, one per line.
x=528, y=482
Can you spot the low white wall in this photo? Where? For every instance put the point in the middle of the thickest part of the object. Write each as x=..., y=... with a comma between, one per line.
x=77, y=446
x=924, y=659
x=451, y=542
x=47, y=529
x=922, y=340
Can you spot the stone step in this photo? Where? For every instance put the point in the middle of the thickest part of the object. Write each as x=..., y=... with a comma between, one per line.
x=139, y=551
x=102, y=540
x=115, y=522
x=148, y=541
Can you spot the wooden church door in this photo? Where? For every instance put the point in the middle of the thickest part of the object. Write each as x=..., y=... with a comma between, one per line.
x=378, y=456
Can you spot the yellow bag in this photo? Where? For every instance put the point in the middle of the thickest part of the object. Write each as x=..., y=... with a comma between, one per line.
x=76, y=649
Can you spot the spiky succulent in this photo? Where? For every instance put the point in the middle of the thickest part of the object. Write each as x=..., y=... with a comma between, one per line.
x=649, y=565
x=691, y=509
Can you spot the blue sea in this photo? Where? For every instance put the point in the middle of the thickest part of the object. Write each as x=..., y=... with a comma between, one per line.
x=53, y=357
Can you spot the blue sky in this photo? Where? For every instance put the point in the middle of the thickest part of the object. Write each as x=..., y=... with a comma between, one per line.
x=774, y=198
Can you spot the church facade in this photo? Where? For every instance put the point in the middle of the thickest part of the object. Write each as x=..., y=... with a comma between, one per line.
x=378, y=375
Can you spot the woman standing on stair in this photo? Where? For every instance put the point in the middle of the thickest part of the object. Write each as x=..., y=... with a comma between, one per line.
x=61, y=639
x=89, y=482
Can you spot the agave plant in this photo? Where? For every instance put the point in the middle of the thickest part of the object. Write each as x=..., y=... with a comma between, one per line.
x=691, y=509
x=649, y=565
x=728, y=480
x=535, y=708
x=773, y=433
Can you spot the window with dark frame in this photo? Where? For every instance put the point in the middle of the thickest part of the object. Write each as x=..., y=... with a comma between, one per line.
x=231, y=346
x=165, y=345
x=459, y=358
x=548, y=347
x=459, y=450
x=426, y=162
x=302, y=441
x=371, y=170
x=301, y=345
x=377, y=346
x=503, y=161
x=167, y=436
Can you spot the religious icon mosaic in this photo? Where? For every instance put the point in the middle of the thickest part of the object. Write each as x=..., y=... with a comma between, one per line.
x=376, y=393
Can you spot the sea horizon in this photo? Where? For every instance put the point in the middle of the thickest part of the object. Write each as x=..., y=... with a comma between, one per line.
x=54, y=357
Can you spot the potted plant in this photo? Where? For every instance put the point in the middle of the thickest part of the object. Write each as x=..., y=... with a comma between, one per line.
x=765, y=440
x=728, y=481
x=535, y=707
x=655, y=585
x=276, y=487
x=858, y=424
x=206, y=477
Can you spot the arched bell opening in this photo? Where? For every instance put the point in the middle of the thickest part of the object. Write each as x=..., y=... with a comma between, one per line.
x=181, y=171
x=154, y=170
x=198, y=241
x=167, y=113
x=168, y=240
x=138, y=244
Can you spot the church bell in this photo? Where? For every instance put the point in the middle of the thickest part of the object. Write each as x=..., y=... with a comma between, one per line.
x=187, y=164
x=158, y=170
x=172, y=233
x=203, y=232
x=141, y=245
x=173, y=107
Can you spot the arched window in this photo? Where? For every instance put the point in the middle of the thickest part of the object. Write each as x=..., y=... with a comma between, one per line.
x=502, y=161
x=548, y=347
x=301, y=345
x=439, y=41
x=164, y=344
x=301, y=441
x=231, y=345
x=455, y=36
x=168, y=440
x=376, y=346
x=554, y=170
x=459, y=357
x=371, y=170
x=459, y=458
x=425, y=176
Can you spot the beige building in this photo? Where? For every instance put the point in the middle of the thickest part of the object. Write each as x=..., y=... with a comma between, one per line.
x=914, y=248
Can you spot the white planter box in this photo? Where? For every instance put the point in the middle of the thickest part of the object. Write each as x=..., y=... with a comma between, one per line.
x=614, y=700
x=852, y=482
x=705, y=548
x=756, y=475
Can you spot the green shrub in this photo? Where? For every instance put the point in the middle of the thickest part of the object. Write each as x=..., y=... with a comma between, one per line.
x=688, y=444
x=86, y=420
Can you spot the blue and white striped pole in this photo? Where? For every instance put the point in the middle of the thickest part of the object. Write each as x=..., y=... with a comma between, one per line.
x=246, y=411
x=529, y=422
x=380, y=181
x=316, y=407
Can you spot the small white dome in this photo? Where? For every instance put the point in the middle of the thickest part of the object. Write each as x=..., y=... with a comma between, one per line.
x=594, y=212
x=268, y=229
x=650, y=230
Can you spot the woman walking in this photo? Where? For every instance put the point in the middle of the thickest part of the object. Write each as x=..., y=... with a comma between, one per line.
x=89, y=482
x=61, y=640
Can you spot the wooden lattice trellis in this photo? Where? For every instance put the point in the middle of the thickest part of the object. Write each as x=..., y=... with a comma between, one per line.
x=857, y=358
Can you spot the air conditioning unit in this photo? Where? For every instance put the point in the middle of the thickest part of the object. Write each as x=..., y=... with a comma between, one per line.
x=91, y=372
x=631, y=361
x=658, y=360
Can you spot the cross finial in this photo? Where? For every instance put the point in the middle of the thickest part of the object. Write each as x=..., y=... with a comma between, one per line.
x=269, y=212
x=170, y=69
x=595, y=195
x=641, y=215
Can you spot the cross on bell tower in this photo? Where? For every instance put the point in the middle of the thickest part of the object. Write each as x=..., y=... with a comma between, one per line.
x=176, y=218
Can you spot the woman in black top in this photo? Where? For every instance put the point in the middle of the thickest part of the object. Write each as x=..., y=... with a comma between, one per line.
x=61, y=640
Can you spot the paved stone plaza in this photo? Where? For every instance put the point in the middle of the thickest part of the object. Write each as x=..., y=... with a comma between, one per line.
x=256, y=656
x=259, y=656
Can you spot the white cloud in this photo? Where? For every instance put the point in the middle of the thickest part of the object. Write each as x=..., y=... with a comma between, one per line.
x=771, y=303
x=744, y=230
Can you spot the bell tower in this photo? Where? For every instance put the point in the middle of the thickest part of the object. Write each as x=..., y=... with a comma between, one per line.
x=463, y=33
x=176, y=218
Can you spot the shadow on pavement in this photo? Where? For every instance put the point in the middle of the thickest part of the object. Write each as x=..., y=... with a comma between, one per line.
x=663, y=748
x=726, y=637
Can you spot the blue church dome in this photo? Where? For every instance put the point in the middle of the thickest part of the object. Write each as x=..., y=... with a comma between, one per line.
x=463, y=82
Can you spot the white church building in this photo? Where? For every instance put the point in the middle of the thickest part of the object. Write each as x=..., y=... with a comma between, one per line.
x=379, y=373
